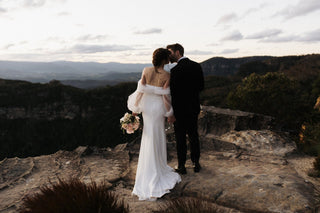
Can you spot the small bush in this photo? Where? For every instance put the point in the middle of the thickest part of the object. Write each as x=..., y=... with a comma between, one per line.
x=188, y=205
x=74, y=196
x=316, y=165
x=310, y=138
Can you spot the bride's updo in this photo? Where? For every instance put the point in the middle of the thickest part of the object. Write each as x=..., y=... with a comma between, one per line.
x=160, y=57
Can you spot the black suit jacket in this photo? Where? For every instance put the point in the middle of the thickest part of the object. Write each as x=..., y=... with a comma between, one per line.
x=186, y=82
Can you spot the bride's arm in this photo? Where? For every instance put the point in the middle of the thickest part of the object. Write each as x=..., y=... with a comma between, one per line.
x=167, y=104
x=167, y=84
x=167, y=99
x=140, y=94
x=135, y=98
x=143, y=77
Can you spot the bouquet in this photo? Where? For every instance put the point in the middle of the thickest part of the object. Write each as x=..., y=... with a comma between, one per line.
x=129, y=123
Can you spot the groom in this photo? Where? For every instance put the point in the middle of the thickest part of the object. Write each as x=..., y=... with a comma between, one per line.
x=186, y=82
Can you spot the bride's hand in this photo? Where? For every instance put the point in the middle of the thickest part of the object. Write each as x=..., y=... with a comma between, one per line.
x=171, y=119
x=134, y=114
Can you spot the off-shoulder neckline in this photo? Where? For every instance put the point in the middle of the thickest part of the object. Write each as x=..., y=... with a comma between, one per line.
x=152, y=85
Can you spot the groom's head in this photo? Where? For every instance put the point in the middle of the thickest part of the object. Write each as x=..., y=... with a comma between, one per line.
x=176, y=50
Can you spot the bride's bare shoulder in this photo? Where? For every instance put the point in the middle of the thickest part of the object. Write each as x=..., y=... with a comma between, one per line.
x=148, y=69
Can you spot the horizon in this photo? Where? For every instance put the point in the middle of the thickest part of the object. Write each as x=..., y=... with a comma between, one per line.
x=105, y=32
x=110, y=62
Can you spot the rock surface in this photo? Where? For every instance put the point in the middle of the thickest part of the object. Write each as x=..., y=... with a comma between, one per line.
x=218, y=121
x=243, y=171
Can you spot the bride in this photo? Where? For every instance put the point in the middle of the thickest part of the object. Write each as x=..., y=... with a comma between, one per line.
x=154, y=177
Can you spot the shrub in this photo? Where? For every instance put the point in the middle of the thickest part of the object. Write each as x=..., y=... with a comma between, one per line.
x=316, y=165
x=309, y=141
x=73, y=196
x=188, y=205
x=271, y=94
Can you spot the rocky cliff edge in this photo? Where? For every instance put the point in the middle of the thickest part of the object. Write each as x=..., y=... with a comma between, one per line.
x=247, y=167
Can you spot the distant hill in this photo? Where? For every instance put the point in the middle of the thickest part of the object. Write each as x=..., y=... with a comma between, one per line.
x=297, y=67
x=43, y=72
x=110, y=79
x=88, y=75
x=220, y=66
x=302, y=68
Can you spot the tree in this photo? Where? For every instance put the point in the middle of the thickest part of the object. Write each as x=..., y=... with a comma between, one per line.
x=271, y=94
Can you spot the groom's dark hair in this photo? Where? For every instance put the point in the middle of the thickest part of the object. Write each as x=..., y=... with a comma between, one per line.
x=176, y=47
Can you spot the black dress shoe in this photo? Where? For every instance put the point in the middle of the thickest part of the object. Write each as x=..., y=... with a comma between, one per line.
x=196, y=167
x=181, y=170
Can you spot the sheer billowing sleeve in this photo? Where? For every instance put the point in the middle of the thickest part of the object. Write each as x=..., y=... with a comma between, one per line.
x=134, y=102
x=166, y=97
x=134, y=99
x=167, y=104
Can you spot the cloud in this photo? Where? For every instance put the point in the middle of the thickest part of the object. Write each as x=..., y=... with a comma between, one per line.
x=213, y=44
x=264, y=34
x=227, y=18
x=8, y=46
x=233, y=36
x=2, y=10
x=303, y=7
x=82, y=48
x=39, y=3
x=280, y=39
x=313, y=36
x=64, y=14
x=229, y=51
x=89, y=37
x=34, y=3
x=255, y=9
x=199, y=52
x=149, y=31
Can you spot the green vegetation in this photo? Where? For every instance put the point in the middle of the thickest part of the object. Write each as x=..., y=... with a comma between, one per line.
x=271, y=94
x=217, y=89
x=96, y=121
x=284, y=87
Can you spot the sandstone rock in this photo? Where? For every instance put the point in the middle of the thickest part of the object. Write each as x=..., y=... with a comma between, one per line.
x=263, y=142
x=243, y=171
x=218, y=121
x=19, y=177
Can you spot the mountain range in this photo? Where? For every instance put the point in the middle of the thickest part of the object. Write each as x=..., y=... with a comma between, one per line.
x=93, y=74
x=43, y=72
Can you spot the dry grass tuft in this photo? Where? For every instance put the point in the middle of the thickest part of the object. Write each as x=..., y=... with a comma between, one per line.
x=74, y=196
x=188, y=205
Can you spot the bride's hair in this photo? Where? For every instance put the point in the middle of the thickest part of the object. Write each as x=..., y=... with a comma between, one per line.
x=159, y=57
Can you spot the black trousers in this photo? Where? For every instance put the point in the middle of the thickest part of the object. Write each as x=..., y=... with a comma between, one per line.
x=184, y=126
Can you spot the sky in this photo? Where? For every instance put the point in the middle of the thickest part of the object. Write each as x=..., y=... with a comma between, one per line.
x=128, y=31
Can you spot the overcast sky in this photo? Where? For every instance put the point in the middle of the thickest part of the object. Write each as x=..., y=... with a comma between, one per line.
x=128, y=31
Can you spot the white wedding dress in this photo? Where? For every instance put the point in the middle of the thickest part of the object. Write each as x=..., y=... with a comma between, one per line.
x=154, y=177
